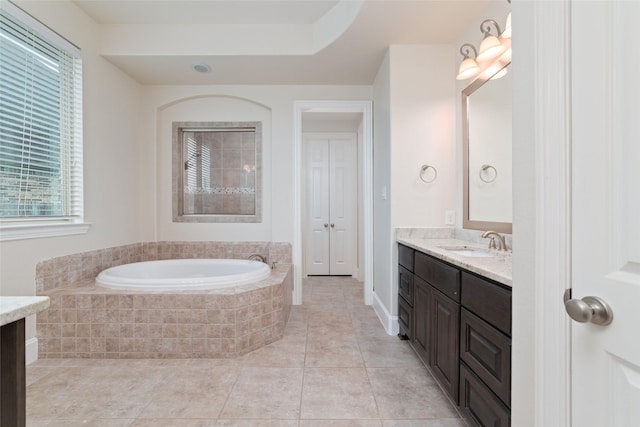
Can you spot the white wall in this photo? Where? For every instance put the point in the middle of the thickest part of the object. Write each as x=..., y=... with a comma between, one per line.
x=423, y=117
x=382, y=227
x=112, y=158
x=271, y=104
x=414, y=125
x=330, y=125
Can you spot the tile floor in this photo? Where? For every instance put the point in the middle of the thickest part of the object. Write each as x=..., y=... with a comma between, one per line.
x=335, y=367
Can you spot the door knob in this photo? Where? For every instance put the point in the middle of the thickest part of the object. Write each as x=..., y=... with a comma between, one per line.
x=326, y=225
x=588, y=309
x=333, y=225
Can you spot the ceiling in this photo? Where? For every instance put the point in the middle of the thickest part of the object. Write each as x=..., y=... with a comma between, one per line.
x=266, y=41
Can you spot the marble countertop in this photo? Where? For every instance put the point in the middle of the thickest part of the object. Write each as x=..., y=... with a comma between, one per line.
x=497, y=268
x=16, y=308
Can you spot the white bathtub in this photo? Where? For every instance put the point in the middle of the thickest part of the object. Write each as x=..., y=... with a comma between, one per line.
x=183, y=274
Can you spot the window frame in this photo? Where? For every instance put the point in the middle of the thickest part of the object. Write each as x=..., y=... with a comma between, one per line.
x=18, y=228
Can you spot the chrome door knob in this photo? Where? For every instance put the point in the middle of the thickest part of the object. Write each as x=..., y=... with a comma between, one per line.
x=588, y=309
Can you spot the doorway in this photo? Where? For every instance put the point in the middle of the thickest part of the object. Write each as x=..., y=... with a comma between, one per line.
x=304, y=112
x=330, y=203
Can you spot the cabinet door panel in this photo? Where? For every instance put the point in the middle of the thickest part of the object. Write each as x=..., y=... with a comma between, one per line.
x=478, y=404
x=405, y=284
x=487, y=352
x=405, y=314
x=445, y=321
x=421, y=301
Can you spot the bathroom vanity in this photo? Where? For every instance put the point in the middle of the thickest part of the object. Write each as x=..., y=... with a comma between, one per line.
x=13, y=311
x=454, y=306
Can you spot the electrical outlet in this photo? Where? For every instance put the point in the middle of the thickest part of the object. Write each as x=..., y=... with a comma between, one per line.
x=450, y=217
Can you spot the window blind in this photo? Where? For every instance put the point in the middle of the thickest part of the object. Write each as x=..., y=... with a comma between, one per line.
x=40, y=125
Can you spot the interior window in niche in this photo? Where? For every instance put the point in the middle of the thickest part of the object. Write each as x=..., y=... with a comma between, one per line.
x=217, y=171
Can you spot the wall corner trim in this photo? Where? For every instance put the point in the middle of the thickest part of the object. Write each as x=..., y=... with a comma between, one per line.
x=389, y=322
x=31, y=351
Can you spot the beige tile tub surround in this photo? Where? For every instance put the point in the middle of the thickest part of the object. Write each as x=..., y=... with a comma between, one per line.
x=70, y=269
x=86, y=321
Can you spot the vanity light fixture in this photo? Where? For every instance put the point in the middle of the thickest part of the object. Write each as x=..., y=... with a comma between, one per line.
x=495, y=52
x=468, y=67
x=491, y=47
x=507, y=31
x=507, y=26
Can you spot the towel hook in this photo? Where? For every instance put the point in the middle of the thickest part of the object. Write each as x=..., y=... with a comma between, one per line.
x=484, y=169
x=424, y=169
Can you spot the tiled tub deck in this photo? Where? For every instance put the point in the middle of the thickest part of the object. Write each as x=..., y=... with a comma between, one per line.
x=86, y=321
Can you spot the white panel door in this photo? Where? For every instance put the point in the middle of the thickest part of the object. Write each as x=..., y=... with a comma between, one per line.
x=342, y=205
x=316, y=221
x=331, y=204
x=606, y=210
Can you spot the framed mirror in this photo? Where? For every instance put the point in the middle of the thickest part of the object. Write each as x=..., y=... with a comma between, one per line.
x=486, y=142
x=217, y=171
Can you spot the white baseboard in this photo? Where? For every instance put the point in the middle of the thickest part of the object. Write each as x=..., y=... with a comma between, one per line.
x=31, y=351
x=389, y=322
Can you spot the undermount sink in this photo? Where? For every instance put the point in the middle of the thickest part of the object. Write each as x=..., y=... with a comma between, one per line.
x=469, y=251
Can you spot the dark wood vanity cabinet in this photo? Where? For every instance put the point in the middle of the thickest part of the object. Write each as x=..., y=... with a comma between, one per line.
x=460, y=325
x=405, y=292
x=436, y=316
x=485, y=352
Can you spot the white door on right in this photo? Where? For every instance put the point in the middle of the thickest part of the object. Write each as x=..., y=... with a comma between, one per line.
x=605, y=363
x=331, y=203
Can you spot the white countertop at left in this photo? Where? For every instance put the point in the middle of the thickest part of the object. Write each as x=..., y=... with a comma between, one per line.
x=16, y=308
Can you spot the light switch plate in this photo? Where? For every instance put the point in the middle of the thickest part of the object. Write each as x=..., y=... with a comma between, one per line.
x=449, y=217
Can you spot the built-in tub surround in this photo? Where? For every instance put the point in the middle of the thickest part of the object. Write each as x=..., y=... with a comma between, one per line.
x=70, y=269
x=85, y=321
x=434, y=241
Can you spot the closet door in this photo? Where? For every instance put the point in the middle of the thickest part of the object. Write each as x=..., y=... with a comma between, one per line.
x=316, y=234
x=342, y=205
x=331, y=204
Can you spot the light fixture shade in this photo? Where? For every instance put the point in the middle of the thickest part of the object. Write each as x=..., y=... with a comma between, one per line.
x=490, y=48
x=468, y=68
x=507, y=31
x=500, y=74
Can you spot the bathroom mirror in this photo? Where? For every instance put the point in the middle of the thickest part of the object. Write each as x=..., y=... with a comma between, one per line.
x=217, y=171
x=486, y=141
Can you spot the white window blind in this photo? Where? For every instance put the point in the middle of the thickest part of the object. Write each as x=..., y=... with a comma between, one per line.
x=40, y=125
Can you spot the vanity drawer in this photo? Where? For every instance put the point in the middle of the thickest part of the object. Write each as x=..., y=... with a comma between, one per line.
x=487, y=351
x=404, y=318
x=405, y=284
x=405, y=257
x=488, y=301
x=478, y=404
x=439, y=275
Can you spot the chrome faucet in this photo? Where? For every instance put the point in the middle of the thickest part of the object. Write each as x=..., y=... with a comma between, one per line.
x=493, y=235
x=257, y=257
